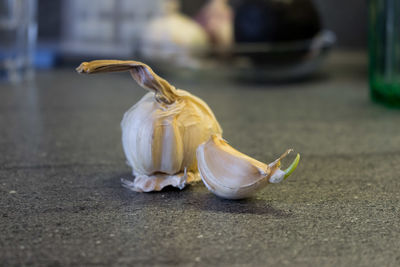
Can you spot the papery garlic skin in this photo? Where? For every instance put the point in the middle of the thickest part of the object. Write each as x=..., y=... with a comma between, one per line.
x=163, y=139
x=231, y=174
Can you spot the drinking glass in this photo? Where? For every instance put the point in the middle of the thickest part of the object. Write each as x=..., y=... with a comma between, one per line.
x=18, y=32
x=384, y=51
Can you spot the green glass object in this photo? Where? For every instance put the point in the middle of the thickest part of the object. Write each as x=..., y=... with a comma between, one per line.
x=384, y=51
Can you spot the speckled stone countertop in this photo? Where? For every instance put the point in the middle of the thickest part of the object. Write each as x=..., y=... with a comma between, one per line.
x=61, y=160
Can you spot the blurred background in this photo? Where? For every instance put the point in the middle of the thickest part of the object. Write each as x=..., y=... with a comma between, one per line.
x=261, y=40
x=349, y=22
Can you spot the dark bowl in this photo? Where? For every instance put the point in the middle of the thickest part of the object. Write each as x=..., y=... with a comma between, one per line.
x=282, y=60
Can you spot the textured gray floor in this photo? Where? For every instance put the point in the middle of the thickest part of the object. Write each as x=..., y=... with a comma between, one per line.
x=61, y=161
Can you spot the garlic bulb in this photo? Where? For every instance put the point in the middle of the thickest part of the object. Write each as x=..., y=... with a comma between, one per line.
x=231, y=174
x=160, y=133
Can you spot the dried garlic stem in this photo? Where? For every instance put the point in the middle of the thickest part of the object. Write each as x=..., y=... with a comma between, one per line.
x=143, y=75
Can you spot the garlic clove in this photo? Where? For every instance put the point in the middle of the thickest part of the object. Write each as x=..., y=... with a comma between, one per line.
x=231, y=174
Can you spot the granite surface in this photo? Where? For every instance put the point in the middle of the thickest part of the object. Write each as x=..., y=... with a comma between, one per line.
x=61, y=160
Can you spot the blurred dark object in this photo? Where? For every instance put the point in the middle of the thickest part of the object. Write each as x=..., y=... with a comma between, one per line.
x=347, y=19
x=283, y=61
x=275, y=21
x=49, y=20
x=384, y=51
x=278, y=40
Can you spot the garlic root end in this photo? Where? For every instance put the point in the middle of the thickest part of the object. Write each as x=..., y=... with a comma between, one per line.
x=156, y=182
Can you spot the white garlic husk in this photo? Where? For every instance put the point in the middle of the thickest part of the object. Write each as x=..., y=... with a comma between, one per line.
x=160, y=133
x=231, y=174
